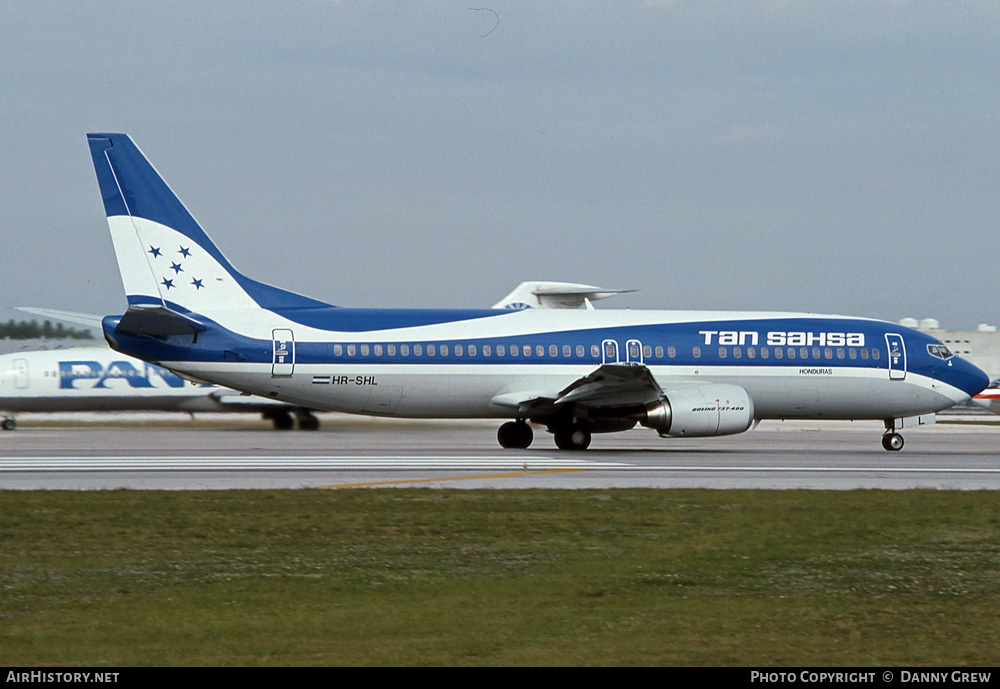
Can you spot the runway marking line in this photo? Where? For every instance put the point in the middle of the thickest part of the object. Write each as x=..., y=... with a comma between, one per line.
x=515, y=474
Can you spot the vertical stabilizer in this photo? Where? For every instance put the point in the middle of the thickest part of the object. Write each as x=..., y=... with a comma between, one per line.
x=164, y=256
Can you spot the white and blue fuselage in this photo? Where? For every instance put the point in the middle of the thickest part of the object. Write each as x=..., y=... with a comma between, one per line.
x=682, y=373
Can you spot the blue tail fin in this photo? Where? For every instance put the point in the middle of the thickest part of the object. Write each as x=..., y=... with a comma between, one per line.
x=164, y=256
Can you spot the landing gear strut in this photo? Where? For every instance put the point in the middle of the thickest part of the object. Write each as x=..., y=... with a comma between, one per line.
x=891, y=440
x=515, y=435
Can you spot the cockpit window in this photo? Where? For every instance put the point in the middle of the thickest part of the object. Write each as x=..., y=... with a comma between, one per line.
x=940, y=351
x=995, y=385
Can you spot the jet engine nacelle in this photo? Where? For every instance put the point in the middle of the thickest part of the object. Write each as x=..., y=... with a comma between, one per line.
x=700, y=411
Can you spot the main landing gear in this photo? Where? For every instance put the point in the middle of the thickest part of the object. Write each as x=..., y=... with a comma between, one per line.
x=283, y=420
x=518, y=435
x=891, y=440
x=575, y=436
x=515, y=435
x=9, y=423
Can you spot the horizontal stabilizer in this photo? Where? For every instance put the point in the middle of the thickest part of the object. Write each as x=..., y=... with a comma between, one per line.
x=86, y=319
x=554, y=295
x=157, y=320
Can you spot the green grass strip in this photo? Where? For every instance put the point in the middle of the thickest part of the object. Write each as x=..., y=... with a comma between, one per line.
x=514, y=577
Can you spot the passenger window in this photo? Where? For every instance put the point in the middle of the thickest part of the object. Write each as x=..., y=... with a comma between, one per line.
x=364, y=350
x=539, y=350
x=338, y=350
x=738, y=352
x=351, y=350
x=671, y=351
x=852, y=353
x=472, y=350
x=595, y=351
x=418, y=350
x=391, y=349
x=579, y=350
x=791, y=352
x=696, y=352
x=513, y=350
x=875, y=353
x=459, y=350
x=404, y=350
x=764, y=352
x=501, y=350
x=487, y=350
x=840, y=352
x=864, y=353
x=722, y=352
x=567, y=351
x=553, y=350
x=526, y=350
x=751, y=353
x=431, y=350
x=647, y=351
x=378, y=350
x=444, y=350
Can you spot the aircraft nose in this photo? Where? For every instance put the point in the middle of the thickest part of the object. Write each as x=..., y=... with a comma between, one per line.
x=965, y=376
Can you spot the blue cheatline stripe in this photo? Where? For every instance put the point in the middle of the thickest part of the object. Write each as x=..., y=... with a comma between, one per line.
x=681, y=339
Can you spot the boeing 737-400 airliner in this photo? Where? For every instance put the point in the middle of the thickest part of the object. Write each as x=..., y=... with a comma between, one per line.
x=576, y=372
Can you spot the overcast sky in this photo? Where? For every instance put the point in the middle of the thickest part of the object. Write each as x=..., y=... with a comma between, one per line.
x=836, y=157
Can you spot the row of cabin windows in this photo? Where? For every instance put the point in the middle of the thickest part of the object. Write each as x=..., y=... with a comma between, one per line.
x=800, y=352
x=464, y=350
x=579, y=351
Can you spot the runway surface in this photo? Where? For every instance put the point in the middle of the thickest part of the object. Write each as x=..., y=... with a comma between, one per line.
x=349, y=452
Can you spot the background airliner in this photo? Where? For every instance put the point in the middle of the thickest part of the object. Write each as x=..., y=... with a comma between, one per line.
x=577, y=372
x=83, y=379
x=990, y=397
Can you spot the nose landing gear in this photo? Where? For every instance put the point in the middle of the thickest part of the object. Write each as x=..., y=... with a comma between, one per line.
x=891, y=440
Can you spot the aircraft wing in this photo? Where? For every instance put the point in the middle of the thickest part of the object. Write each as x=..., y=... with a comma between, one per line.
x=241, y=402
x=622, y=385
x=613, y=385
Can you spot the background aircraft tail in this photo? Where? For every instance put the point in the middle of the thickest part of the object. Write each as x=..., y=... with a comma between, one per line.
x=164, y=256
